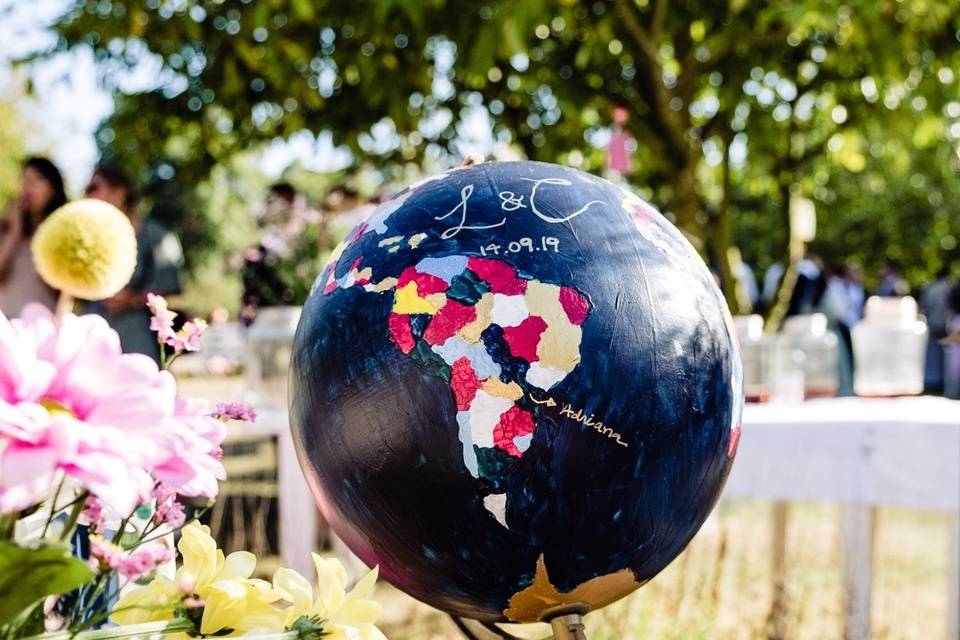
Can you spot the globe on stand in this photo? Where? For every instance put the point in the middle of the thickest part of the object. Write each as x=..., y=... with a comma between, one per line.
x=516, y=389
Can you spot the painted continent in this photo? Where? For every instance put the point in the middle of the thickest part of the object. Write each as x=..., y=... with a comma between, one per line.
x=497, y=337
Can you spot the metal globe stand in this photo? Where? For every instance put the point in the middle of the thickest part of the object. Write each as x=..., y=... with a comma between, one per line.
x=566, y=622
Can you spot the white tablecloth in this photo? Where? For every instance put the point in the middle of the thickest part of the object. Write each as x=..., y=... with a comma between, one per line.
x=891, y=451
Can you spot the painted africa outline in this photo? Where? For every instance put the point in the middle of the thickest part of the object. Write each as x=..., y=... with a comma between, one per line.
x=495, y=335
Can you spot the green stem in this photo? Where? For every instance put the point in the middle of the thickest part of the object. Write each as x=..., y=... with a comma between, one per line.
x=196, y=516
x=72, y=520
x=172, y=358
x=119, y=533
x=53, y=508
x=95, y=617
x=98, y=585
x=8, y=526
x=163, y=352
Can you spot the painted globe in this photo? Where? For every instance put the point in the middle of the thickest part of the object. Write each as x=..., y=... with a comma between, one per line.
x=515, y=387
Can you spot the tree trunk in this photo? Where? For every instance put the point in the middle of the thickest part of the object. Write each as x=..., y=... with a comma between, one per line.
x=685, y=202
x=722, y=239
x=791, y=252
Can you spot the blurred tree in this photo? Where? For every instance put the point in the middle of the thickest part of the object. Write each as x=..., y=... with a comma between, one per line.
x=706, y=83
x=11, y=142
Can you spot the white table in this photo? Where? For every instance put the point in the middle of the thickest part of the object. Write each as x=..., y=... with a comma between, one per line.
x=862, y=453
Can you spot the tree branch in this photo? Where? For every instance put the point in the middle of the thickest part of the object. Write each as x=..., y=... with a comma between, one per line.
x=650, y=77
x=640, y=35
x=659, y=17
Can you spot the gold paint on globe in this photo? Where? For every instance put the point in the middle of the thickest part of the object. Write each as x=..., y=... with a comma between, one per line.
x=541, y=596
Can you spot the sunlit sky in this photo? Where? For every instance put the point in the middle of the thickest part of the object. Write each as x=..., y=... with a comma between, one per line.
x=66, y=105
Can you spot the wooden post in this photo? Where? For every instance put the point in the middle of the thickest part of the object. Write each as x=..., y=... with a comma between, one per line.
x=298, y=514
x=857, y=530
x=953, y=593
x=776, y=619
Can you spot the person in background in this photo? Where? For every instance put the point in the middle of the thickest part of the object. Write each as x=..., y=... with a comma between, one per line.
x=771, y=282
x=747, y=284
x=840, y=308
x=951, y=347
x=856, y=295
x=892, y=284
x=41, y=193
x=344, y=208
x=159, y=261
x=810, y=286
x=935, y=306
x=263, y=285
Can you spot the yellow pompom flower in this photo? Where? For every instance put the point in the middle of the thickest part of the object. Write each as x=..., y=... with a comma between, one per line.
x=87, y=249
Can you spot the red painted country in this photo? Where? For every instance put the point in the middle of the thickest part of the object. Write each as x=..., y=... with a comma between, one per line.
x=501, y=277
x=524, y=338
x=514, y=422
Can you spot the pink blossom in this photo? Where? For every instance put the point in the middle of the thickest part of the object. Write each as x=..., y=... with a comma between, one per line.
x=168, y=510
x=234, y=411
x=188, y=337
x=133, y=564
x=161, y=318
x=92, y=515
x=71, y=403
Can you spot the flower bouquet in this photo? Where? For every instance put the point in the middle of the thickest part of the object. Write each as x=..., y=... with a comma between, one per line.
x=98, y=456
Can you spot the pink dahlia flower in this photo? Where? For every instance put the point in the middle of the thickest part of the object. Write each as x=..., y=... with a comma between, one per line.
x=71, y=403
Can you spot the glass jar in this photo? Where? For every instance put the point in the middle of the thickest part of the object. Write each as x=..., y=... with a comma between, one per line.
x=755, y=353
x=810, y=336
x=888, y=348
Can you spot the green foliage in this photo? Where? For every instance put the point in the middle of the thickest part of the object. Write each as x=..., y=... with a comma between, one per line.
x=799, y=86
x=27, y=575
x=12, y=144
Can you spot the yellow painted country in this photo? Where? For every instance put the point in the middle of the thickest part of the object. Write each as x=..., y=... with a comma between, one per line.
x=409, y=302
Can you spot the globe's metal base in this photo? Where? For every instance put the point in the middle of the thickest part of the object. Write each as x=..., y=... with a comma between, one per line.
x=568, y=626
x=566, y=622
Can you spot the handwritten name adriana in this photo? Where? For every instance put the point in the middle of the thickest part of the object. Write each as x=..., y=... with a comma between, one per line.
x=509, y=202
x=585, y=419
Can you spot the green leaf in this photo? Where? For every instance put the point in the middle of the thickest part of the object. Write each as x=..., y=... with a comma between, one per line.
x=303, y=9
x=27, y=575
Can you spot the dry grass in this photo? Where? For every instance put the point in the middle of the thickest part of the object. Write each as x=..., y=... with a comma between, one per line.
x=720, y=587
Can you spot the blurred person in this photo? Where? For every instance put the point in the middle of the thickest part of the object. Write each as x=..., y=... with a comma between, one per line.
x=809, y=288
x=935, y=306
x=840, y=309
x=747, y=284
x=771, y=282
x=344, y=207
x=620, y=146
x=856, y=294
x=41, y=193
x=262, y=284
x=951, y=347
x=892, y=284
x=159, y=261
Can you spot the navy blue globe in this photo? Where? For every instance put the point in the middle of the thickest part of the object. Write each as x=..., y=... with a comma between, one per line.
x=515, y=388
